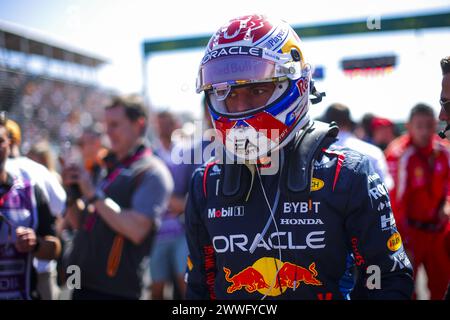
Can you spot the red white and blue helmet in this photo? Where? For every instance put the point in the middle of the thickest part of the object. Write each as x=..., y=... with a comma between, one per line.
x=254, y=49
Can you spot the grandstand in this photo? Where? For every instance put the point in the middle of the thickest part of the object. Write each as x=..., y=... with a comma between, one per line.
x=50, y=89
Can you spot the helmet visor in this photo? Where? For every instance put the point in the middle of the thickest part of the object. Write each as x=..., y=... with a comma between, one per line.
x=235, y=70
x=238, y=101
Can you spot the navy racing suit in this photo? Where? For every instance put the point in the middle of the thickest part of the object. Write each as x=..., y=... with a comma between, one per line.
x=312, y=245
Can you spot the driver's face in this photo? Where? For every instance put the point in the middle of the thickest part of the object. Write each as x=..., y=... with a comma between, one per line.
x=421, y=129
x=249, y=97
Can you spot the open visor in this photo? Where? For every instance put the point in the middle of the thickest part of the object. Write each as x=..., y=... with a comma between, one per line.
x=216, y=97
x=235, y=70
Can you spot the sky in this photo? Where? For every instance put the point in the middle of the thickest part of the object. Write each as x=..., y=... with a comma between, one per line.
x=115, y=30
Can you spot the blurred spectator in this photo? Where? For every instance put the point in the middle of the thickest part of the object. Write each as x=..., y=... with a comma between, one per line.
x=50, y=273
x=116, y=229
x=22, y=236
x=15, y=136
x=383, y=132
x=92, y=151
x=363, y=130
x=31, y=170
x=341, y=115
x=53, y=193
x=169, y=254
x=419, y=163
x=201, y=144
x=42, y=154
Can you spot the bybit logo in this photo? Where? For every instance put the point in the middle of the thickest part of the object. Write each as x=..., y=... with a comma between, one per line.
x=301, y=207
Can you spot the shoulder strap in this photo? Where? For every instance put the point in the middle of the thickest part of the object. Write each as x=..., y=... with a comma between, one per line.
x=141, y=168
x=307, y=147
x=236, y=180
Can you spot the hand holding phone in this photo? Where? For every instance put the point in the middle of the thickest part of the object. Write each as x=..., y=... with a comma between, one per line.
x=69, y=159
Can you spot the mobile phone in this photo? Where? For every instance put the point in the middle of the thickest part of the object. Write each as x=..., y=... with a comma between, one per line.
x=71, y=157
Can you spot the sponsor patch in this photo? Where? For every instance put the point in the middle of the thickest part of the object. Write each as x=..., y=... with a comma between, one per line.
x=236, y=211
x=316, y=184
x=395, y=242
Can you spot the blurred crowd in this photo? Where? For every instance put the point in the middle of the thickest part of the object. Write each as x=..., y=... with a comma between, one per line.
x=44, y=113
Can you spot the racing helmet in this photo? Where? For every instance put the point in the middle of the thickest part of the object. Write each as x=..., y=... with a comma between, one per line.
x=248, y=51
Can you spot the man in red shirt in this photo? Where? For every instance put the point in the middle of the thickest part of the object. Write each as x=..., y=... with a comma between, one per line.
x=419, y=163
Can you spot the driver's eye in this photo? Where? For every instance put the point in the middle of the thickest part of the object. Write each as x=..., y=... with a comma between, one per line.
x=258, y=91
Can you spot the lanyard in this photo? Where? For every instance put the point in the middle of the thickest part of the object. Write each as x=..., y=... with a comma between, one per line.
x=110, y=178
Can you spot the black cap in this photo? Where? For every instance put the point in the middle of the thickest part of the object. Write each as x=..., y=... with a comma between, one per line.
x=338, y=113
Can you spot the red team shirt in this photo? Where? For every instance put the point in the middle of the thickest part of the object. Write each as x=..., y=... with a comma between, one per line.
x=422, y=180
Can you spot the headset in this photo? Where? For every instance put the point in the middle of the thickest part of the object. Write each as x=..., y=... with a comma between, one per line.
x=443, y=134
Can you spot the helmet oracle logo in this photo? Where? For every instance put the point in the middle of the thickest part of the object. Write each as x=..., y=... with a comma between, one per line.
x=395, y=242
x=252, y=28
x=233, y=51
x=270, y=276
x=316, y=184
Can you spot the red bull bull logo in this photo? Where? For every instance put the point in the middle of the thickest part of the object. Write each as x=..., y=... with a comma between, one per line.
x=270, y=276
x=291, y=275
x=249, y=278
